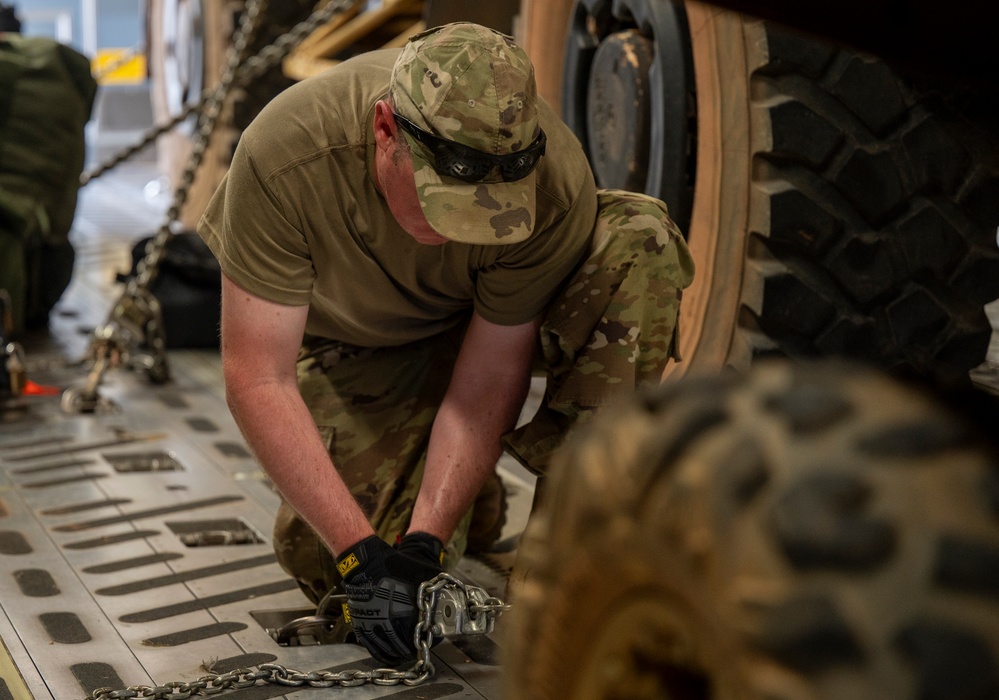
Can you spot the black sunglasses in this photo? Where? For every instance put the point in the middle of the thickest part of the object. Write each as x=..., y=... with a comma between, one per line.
x=453, y=159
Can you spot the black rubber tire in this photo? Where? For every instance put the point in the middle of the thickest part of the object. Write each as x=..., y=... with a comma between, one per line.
x=882, y=192
x=840, y=208
x=797, y=532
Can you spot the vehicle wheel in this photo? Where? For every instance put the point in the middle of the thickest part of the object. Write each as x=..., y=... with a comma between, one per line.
x=838, y=207
x=189, y=43
x=797, y=532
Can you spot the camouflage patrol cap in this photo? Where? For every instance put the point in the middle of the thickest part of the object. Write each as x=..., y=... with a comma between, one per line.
x=466, y=83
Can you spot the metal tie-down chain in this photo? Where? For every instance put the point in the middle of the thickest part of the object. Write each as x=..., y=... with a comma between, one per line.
x=136, y=317
x=447, y=607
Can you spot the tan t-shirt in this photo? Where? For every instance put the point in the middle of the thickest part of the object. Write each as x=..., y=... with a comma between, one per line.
x=298, y=220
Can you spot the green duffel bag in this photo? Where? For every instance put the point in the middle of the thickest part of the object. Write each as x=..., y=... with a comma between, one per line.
x=46, y=98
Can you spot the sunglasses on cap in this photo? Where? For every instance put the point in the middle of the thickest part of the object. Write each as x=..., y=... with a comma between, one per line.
x=453, y=159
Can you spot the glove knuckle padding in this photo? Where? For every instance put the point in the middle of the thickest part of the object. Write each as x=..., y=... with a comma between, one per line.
x=382, y=585
x=386, y=619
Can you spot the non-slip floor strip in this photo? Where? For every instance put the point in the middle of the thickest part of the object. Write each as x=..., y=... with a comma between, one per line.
x=204, y=572
x=151, y=513
x=195, y=634
x=81, y=507
x=133, y=563
x=106, y=540
x=209, y=602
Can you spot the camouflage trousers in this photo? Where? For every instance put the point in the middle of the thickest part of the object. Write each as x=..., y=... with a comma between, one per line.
x=612, y=327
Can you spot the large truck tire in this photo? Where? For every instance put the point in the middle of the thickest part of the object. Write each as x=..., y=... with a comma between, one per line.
x=834, y=205
x=792, y=533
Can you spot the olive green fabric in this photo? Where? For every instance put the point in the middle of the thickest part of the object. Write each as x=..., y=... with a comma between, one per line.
x=612, y=328
x=298, y=221
x=46, y=97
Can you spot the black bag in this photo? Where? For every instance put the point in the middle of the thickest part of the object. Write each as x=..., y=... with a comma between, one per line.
x=188, y=287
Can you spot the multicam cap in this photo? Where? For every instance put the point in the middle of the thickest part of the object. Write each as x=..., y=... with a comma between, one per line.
x=473, y=85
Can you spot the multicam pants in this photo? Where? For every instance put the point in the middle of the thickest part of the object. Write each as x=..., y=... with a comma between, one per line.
x=612, y=328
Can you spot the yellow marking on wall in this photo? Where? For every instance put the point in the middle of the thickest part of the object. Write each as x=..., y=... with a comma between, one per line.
x=118, y=67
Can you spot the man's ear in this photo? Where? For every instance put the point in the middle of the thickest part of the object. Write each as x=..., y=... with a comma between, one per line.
x=385, y=127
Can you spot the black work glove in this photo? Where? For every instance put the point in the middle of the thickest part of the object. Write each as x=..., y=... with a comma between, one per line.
x=381, y=585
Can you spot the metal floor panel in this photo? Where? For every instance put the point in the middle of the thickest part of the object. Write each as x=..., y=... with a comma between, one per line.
x=85, y=598
x=99, y=585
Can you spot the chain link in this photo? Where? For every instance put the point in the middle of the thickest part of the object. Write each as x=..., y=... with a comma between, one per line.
x=276, y=674
x=136, y=318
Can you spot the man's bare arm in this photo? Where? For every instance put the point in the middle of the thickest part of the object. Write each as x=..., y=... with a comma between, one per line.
x=484, y=398
x=260, y=343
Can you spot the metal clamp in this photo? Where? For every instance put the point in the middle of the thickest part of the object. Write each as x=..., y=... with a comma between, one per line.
x=462, y=610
